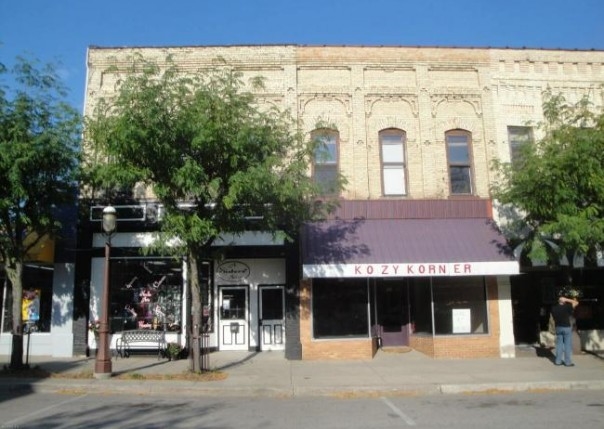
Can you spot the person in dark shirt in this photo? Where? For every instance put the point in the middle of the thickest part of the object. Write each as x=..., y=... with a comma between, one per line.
x=562, y=314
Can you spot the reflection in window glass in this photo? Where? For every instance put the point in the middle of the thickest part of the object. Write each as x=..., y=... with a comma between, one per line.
x=518, y=137
x=325, y=166
x=458, y=155
x=36, y=305
x=146, y=294
x=392, y=143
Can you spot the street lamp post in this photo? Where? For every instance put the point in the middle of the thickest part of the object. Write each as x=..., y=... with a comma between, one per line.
x=102, y=365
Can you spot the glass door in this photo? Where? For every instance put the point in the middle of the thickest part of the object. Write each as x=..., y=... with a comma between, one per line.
x=233, y=318
x=272, y=322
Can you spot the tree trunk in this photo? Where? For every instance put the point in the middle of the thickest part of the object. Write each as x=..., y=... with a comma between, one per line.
x=15, y=275
x=194, y=329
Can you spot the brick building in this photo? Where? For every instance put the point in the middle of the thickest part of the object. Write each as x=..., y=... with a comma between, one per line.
x=412, y=257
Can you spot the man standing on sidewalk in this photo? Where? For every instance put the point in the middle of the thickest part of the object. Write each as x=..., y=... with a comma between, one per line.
x=562, y=314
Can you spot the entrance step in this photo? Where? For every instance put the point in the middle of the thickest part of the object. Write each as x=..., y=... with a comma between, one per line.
x=396, y=349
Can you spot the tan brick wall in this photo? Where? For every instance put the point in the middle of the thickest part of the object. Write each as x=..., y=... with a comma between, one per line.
x=361, y=90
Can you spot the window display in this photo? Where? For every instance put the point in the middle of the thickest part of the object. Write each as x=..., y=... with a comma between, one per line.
x=37, y=299
x=146, y=294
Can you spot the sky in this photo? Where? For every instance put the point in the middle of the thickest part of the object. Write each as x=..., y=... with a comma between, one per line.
x=60, y=31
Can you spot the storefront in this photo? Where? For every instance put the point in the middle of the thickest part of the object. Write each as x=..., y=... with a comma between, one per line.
x=243, y=299
x=440, y=286
x=48, y=297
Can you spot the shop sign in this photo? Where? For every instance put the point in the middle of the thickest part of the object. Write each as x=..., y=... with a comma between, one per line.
x=411, y=270
x=233, y=271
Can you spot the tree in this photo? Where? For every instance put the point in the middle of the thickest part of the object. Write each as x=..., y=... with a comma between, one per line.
x=557, y=187
x=39, y=152
x=212, y=158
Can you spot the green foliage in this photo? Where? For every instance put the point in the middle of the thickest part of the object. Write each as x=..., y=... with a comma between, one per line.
x=557, y=189
x=39, y=144
x=202, y=140
x=214, y=160
x=39, y=160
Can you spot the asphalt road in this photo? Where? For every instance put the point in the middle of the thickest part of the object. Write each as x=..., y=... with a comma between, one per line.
x=583, y=409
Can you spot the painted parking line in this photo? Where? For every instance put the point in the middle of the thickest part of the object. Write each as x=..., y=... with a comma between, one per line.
x=398, y=412
x=13, y=422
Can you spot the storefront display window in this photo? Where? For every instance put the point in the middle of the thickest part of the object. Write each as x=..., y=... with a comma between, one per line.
x=37, y=300
x=460, y=306
x=340, y=309
x=421, y=305
x=146, y=294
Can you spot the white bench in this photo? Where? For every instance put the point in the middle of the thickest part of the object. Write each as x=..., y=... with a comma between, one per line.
x=141, y=339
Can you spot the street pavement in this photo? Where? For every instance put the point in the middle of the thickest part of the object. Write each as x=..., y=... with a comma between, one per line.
x=397, y=372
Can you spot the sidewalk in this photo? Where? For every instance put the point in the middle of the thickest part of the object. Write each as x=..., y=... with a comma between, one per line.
x=269, y=373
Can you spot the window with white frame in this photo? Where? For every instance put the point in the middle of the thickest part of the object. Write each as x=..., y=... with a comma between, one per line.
x=325, y=163
x=517, y=138
x=392, y=152
x=459, y=159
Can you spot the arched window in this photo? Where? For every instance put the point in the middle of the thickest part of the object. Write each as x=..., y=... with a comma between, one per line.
x=393, y=156
x=459, y=158
x=326, y=159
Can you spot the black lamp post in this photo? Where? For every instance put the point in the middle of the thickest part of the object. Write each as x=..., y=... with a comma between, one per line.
x=102, y=365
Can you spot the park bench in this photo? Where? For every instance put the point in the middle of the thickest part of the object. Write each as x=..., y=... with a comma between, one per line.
x=141, y=339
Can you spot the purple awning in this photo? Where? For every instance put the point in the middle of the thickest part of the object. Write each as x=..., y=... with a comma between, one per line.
x=405, y=248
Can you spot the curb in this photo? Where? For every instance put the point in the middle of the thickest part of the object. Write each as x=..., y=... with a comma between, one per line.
x=186, y=388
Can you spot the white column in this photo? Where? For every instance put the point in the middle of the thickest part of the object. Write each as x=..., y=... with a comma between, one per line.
x=507, y=347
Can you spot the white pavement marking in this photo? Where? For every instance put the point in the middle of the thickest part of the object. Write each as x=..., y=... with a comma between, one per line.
x=12, y=422
x=398, y=412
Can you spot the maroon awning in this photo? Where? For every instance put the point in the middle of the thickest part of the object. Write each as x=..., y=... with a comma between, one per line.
x=405, y=248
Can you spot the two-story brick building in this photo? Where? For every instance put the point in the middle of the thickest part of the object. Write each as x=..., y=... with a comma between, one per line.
x=412, y=257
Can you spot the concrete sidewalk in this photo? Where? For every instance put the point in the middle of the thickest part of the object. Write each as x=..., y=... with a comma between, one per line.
x=269, y=373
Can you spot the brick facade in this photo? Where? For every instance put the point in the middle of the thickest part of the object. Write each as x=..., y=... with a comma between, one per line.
x=363, y=90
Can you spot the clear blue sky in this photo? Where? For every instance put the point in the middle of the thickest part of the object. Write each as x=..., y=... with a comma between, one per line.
x=61, y=30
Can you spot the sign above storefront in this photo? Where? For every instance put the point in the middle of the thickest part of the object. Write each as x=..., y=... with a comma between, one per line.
x=411, y=270
x=233, y=271
x=405, y=248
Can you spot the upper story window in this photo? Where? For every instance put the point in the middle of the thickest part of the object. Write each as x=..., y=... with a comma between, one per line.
x=518, y=137
x=459, y=159
x=392, y=152
x=325, y=162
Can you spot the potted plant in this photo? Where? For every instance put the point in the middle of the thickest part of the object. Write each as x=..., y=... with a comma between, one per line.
x=173, y=351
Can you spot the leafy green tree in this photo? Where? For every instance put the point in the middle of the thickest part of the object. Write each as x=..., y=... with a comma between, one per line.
x=39, y=152
x=556, y=189
x=214, y=160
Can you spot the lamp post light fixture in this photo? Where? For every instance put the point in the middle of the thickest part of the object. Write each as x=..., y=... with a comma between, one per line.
x=102, y=364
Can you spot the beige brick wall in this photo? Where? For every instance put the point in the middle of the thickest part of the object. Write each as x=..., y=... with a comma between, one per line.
x=362, y=90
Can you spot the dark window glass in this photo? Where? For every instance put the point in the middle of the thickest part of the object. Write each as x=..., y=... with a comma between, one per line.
x=271, y=304
x=459, y=159
x=340, y=309
x=421, y=305
x=325, y=164
x=460, y=305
